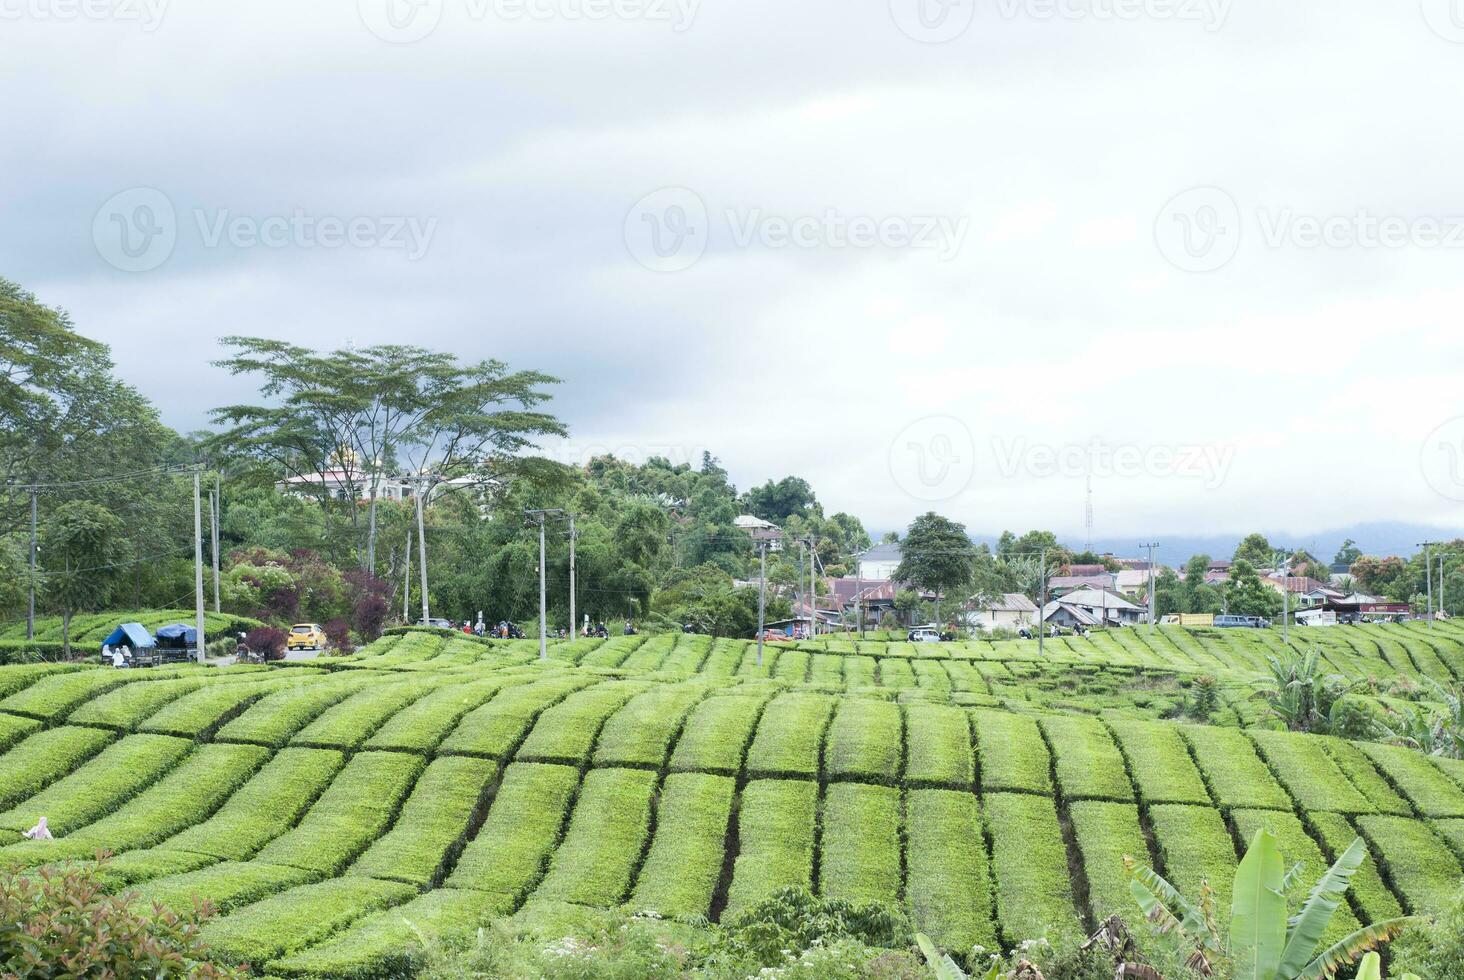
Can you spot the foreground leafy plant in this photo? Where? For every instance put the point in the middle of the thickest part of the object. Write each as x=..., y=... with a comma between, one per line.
x=1263, y=943
x=62, y=924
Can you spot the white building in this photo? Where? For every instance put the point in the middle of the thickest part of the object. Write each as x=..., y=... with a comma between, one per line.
x=1009, y=611
x=1092, y=607
x=880, y=561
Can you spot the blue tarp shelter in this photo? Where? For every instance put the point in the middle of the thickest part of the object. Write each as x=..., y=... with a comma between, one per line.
x=178, y=635
x=133, y=635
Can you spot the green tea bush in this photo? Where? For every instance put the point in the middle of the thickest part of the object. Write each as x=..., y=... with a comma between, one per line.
x=1089, y=766
x=948, y=884
x=45, y=757
x=1236, y=774
x=789, y=737
x=1435, y=949
x=640, y=733
x=594, y=864
x=508, y=854
x=1034, y=896
x=938, y=747
x=717, y=734
x=775, y=830
x=685, y=861
x=1012, y=753
x=1160, y=763
x=864, y=741
x=861, y=843
x=566, y=733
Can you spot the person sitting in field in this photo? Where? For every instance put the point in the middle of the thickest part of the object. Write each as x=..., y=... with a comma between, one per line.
x=39, y=832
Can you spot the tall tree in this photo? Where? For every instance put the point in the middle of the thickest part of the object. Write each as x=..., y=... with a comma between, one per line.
x=1347, y=554
x=1256, y=550
x=81, y=561
x=937, y=555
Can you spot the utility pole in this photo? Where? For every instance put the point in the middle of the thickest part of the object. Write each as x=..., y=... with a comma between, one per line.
x=542, y=517
x=407, y=580
x=1283, y=558
x=859, y=591
x=421, y=549
x=30, y=616
x=215, y=508
x=801, y=583
x=1428, y=574
x=198, y=563
x=573, y=623
x=1153, y=547
x=762, y=535
x=812, y=589
x=1042, y=604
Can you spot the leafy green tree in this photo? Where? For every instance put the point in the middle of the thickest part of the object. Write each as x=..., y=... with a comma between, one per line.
x=1170, y=594
x=937, y=555
x=779, y=501
x=1247, y=595
x=81, y=567
x=1256, y=550
x=1347, y=554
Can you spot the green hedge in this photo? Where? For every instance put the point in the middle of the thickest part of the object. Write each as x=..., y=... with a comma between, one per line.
x=422, y=725
x=433, y=820
x=717, y=734
x=495, y=729
x=1195, y=846
x=860, y=672
x=387, y=944
x=226, y=886
x=1089, y=765
x=133, y=867
x=948, y=881
x=864, y=742
x=1160, y=763
x=295, y=919
x=685, y=861
x=90, y=792
x=790, y=736
x=1433, y=793
x=129, y=706
x=1374, y=899
x=1034, y=895
x=265, y=807
x=938, y=747
x=275, y=719
x=606, y=835
x=188, y=794
x=13, y=729
x=861, y=844
x=1106, y=834
x=1309, y=773
x=201, y=713
x=52, y=698
x=566, y=733
x=775, y=832
x=352, y=813
x=509, y=852
x=896, y=673
x=17, y=677
x=45, y=757
x=827, y=671
x=725, y=656
x=614, y=651
x=1422, y=868
x=1234, y=771
x=1011, y=753
x=651, y=654
x=931, y=675
x=352, y=721
x=640, y=733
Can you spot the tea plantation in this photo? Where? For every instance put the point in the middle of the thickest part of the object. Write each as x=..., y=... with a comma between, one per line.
x=332, y=810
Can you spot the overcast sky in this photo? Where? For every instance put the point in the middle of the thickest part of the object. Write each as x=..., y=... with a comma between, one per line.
x=952, y=254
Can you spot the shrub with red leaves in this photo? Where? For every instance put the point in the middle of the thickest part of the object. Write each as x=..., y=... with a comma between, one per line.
x=268, y=641
x=338, y=632
x=57, y=923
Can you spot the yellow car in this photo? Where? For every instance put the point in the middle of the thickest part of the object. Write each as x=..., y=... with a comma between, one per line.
x=306, y=636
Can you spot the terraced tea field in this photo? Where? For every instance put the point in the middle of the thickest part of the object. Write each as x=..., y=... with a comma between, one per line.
x=331, y=810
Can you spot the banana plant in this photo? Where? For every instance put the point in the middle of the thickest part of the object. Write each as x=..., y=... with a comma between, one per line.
x=946, y=968
x=1263, y=942
x=1372, y=969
